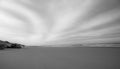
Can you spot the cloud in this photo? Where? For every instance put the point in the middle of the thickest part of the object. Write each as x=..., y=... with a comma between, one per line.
x=34, y=22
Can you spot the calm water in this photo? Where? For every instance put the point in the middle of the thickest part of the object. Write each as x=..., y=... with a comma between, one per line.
x=60, y=58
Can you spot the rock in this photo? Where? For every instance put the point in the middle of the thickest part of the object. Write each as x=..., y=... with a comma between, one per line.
x=15, y=45
x=2, y=46
x=6, y=44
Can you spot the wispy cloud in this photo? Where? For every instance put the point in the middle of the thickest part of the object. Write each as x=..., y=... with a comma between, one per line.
x=37, y=22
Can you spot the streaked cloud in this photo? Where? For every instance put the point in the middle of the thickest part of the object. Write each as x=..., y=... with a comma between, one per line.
x=38, y=22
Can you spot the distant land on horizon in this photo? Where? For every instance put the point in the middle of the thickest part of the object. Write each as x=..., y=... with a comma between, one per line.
x=82, y=45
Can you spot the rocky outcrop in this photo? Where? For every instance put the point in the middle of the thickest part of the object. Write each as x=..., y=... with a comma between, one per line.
x=6, y=44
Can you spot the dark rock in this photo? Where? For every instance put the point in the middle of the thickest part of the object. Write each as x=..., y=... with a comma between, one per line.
x=2, y=46
x=6, y=44
x=15, y=45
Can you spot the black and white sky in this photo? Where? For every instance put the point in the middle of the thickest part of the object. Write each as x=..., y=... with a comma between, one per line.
x=38, y=22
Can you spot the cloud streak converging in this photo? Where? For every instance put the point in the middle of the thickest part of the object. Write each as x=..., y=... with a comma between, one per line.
x=52, y=22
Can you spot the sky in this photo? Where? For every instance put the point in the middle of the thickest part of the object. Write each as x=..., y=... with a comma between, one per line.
x=52, y=22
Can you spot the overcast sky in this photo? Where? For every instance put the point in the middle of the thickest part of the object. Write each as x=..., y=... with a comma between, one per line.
x=36, y=22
